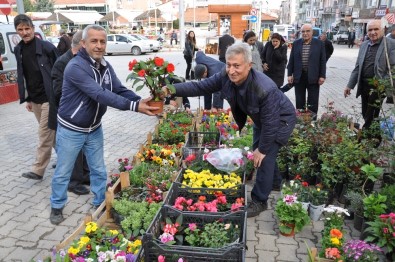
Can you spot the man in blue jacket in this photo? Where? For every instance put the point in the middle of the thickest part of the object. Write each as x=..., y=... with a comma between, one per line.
x=205, y=67
x=251, y=93
x=307, y=69
x=35, y=59
x=89, y=86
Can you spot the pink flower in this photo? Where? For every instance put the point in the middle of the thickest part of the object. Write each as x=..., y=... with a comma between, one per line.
x=127, y=168
x=161, y=258
x=192, y=226
x=385, y=230
x=170, y=229
x=290, y=199
x=166, y=237
x=236, y=206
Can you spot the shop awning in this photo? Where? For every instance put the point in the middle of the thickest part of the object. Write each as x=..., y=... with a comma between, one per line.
x=76, y=17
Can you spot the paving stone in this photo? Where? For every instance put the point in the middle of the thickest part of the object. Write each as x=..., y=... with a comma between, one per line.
x=6, y=241
x=37, y=233
x=33, y=222
x=266, y=227
x=250, y=253
x=249, y=259
x=57, y=234
x=287, y=252
x=6, y=228
x=20, y=254
x=251, y=233
x=286, y=240
x=306, y=232
x=5, y=251
x=267, y=256
x=267, y=243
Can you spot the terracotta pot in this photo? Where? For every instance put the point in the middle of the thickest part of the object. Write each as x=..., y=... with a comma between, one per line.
x=292, y=233
x=158, y=104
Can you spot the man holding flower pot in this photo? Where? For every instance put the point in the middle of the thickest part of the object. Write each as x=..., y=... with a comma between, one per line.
x=89, y=86
x=251, y=93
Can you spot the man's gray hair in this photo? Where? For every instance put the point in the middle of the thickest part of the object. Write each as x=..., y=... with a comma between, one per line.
x=239, y=48
x=76, y=38
x=93, y=27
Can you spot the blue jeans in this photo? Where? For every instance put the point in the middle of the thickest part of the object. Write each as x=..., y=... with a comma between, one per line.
x=68, y=144
x=267, y=173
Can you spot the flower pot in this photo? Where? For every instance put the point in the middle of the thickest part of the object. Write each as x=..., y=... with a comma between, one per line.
x=305, y=206
x=390, y=256
x=316, y=211
x=287, y=230
x=364, y=234
x=358, y=219
x=158, y=104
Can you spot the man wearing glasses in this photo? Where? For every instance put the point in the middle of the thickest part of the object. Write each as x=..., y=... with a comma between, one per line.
x=307, y=69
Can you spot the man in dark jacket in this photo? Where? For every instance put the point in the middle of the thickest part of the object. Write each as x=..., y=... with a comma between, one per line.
x=328, y=46
x=307, y=69
x=64, y=44
x=205, y=67
x=89, y=86
x=80, y=173
x=351, y=38
x=223, y=43
x=251, y=93
x=35, y=59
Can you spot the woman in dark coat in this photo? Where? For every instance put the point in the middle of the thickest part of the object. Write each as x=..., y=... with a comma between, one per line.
x=189, y=52
x=274, y=58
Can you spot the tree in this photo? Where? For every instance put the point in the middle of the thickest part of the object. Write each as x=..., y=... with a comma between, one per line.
x=44, y=6
x=28, y=6
x=176, y=24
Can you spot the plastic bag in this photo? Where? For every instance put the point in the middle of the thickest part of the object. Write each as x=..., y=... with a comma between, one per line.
x=388, y=127
x=226, y=159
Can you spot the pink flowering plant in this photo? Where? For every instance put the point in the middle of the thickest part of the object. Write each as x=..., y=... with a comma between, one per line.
x=360, y=251
x=290, y=212
x=220, y=204
x=382, y=232
x=172, y=232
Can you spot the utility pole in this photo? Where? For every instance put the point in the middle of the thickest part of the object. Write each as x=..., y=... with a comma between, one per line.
x=20, y=7
x=182, y=25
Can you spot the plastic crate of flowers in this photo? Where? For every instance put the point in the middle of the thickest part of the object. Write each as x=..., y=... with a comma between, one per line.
x=195, y=236
x=189, y=199
x=196, y=142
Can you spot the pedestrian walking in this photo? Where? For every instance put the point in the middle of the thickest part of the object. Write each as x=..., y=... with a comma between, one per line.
x=251, y=93
x=351, y=38
x=328, y=46
x=89, y=86
x=80, y=174
x=173, y=37
x=274, y=58
x=256, y=50
x=371, y=62
x=64, y=44
x=307, y=69
x=35, y=59
x=189, y=53
x=205, y=67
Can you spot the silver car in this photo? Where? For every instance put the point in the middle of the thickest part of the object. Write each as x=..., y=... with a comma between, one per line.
x=123, y=43
x=156, y=45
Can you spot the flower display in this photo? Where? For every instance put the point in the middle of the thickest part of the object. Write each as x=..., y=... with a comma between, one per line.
x=206, y=179
x=100, y=244
x=217, y=205
x=160, y=154
x=332, y=242
x=153, y=73
x=360, y=251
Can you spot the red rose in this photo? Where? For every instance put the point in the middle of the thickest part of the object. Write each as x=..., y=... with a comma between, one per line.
x=131, y=64
x=170, y=68
x=158, y=61
x=141, y=73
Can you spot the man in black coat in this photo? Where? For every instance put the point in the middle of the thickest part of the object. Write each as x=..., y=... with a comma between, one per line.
x=80, y=173
x=35, y=58
x=223, y=43
x=351, y=38
x=328, y=46
x=64, y=42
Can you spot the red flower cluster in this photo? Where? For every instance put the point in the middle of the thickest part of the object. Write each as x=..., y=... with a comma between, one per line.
x=183, y=204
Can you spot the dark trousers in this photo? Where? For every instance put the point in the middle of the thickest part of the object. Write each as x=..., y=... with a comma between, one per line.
x=80, y=173
x=171, y=41
x=371, y=104
x=267, y=173
x=216, y=100
x=350, y=43
x=188, y=73
x=313, y=94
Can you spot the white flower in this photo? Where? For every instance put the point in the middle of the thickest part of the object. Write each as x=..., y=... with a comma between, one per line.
x=246, y=148
x=337, y=210
x=206, y=150
x=291, y=183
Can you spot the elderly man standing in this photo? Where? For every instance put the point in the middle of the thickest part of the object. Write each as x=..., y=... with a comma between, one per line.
x=89, y=86
x=251, y=93
x=307, y=69
x=371, y=62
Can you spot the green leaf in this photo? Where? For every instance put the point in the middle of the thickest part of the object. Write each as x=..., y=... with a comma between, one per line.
x=179, y=219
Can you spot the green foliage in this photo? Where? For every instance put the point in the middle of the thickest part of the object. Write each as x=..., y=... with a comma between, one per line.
x=356, y=201
x=382, y=232
x=389, y=192
x=171, y=133
x=28, y=6
x=44, y=6
x=291, y=213
x=179, y=118
x=374, y=205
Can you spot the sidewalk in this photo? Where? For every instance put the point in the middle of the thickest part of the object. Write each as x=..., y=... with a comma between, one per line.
x=25, y=230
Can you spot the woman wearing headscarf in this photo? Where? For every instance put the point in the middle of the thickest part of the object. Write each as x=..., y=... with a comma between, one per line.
x=189, y=52
x=249, y=37
x=274, y=58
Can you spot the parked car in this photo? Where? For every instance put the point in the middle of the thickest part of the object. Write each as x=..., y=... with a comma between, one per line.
x=123, y=43
x=156, y=45
x=54, y=40
x=340, y=36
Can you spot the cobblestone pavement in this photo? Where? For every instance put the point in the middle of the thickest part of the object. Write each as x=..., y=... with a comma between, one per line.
x=25, y=230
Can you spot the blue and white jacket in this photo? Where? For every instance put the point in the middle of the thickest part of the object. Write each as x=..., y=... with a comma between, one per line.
x=87, y=91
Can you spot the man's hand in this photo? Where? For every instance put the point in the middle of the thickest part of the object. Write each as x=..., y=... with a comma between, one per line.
x=145, y=108
x=165, y=92
x=173, y=103
x=347, y=91
x=29, y=106
x=321, y=80
x=290, y=79
x=258, y=157
x=265, y=67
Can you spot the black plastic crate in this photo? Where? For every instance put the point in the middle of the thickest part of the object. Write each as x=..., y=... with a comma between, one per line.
x=232, y=252
x=198, y=141
x=180, y=176
x=178, y=190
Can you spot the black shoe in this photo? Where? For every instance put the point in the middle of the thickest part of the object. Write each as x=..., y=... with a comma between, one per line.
x=56, y=216
x=79, y=190
x=32, y=175
x=254, y=208
x=53, y=165
x=276, y=188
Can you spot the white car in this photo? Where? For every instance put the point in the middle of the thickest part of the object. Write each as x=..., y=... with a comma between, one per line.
x=123, y=43
x=157, y=45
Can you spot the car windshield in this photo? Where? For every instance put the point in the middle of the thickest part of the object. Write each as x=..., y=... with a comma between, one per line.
x=134, y=37
x=143, y=37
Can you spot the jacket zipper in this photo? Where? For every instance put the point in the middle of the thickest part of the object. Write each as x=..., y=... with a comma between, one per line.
x=78, y=108
x=98, y=104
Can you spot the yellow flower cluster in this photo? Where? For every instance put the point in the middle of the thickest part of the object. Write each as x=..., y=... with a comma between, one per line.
x=134, y=247
x=206, y=179
x=91, y=227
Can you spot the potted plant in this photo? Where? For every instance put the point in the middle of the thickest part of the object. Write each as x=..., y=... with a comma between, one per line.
x=153, y=73
x=291, y=215
x=317, y=198
x=389, y=192
x=356, y=205
x=360, y=251
x=382, y=232
x=374, y=205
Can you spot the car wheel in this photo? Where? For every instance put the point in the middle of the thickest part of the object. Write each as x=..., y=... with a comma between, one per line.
x=136, y=50
x=109, y=53
x=155, y=51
